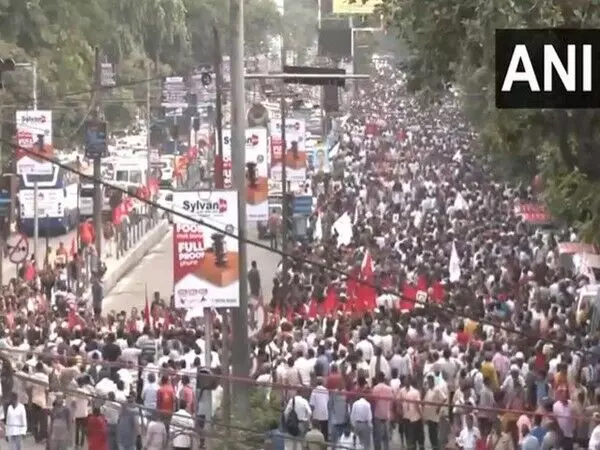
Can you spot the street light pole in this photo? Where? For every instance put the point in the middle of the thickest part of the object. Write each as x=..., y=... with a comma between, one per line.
x=285, y=212
x=241, y=346
x=218, y=168
x=36, y=216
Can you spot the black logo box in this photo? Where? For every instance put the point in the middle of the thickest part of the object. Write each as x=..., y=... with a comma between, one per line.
x=520, y=95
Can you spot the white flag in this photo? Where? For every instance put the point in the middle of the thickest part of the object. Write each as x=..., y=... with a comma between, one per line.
x=586, y=264
x=318, y=234
x=454, y=266
x=460, y=203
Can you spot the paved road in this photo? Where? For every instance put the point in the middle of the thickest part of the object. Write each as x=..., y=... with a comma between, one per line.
x=155, y=271
x=9, y=269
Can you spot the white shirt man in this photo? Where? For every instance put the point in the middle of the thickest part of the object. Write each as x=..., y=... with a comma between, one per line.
x=594, y=443
x=301, y=406
x=361, y=412
x=304, y=368
x=181, y=423
x=16, y=423
x=366, y=348
x=467, y=439
x=319, y=401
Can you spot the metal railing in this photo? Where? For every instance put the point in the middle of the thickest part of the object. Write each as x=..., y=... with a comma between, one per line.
x=125, y=238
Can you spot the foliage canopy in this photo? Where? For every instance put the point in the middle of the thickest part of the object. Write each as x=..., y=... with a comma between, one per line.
x=451, y=42
x=160, y=36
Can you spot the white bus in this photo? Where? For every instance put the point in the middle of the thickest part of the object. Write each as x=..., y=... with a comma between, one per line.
x=56, y=201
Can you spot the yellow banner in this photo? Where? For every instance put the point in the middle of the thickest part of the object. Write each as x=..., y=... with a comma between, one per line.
x=356, y=7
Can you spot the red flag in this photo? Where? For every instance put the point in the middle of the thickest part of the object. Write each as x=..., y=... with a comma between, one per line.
x=117, y=215
x=422, y=283
x=10, y=320
x=409, y=296
x=73, y=319
x=367, y=294
x=331, y=301
x=351, y=289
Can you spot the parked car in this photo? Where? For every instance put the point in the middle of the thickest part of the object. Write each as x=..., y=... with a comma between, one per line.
x=165, y=199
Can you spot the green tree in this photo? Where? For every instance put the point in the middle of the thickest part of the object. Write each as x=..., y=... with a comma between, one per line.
x=300, y=26
x=451, y=42
x=161, y=37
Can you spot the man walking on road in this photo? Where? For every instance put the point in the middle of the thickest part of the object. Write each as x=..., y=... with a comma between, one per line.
x=254, y=280
x=274, y=227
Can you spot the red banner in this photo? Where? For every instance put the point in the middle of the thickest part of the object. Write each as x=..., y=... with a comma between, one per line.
x=276, y=151
x=188, y=249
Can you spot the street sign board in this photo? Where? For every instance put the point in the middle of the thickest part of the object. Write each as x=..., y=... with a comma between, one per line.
x=107, y=75
x=154, y=158
x=226, y=69
x=302, y=205
x=5, y=203
x=96, y=145
x=18, y=247
x=174, y=93
x=29, y=166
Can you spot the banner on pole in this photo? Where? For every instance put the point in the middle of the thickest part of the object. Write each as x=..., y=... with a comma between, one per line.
x=296, y=158
x=205, y=256
x=355, y=7
x=257, y=177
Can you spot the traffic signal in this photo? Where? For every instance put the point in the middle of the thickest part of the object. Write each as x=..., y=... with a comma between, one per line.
x=6, y=65
x=206, y=79
x=305, y=70
x=251, y=174
x=219, y=249
x=288, y=212
x=294, y=149
x=174, y=131
x=196, y=123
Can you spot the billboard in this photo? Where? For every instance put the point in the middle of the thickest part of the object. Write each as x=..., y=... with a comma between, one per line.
x=205, y=261
x=319, y=158
x=257, y=176
x=335, y=43
x=30, y=124
x=296, y=158
x=355, y=7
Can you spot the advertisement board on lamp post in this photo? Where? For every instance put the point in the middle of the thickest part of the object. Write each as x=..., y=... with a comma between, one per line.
x=257, y=176
x=30, y=124
x=296, y=157
x=205, y=255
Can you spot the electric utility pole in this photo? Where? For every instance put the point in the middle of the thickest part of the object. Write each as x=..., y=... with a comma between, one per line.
x=98, y=200
x=241, y=346
x=285, y=209
x=218, y=175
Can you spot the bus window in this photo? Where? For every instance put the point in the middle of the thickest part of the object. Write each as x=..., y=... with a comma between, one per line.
x=135, y=176
x=86, y=192
x=165, y=184
x=122, y=175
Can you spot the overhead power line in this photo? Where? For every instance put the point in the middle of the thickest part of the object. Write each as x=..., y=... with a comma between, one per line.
x=439, y=307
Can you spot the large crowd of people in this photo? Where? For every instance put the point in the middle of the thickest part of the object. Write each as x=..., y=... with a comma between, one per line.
x=424, y=312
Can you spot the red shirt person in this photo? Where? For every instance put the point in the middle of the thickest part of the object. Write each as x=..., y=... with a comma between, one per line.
x=165, y=397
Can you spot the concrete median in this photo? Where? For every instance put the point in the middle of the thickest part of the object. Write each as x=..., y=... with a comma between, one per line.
x=119, y=268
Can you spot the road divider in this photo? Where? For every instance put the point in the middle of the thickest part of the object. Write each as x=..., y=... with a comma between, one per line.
x=144, y=242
